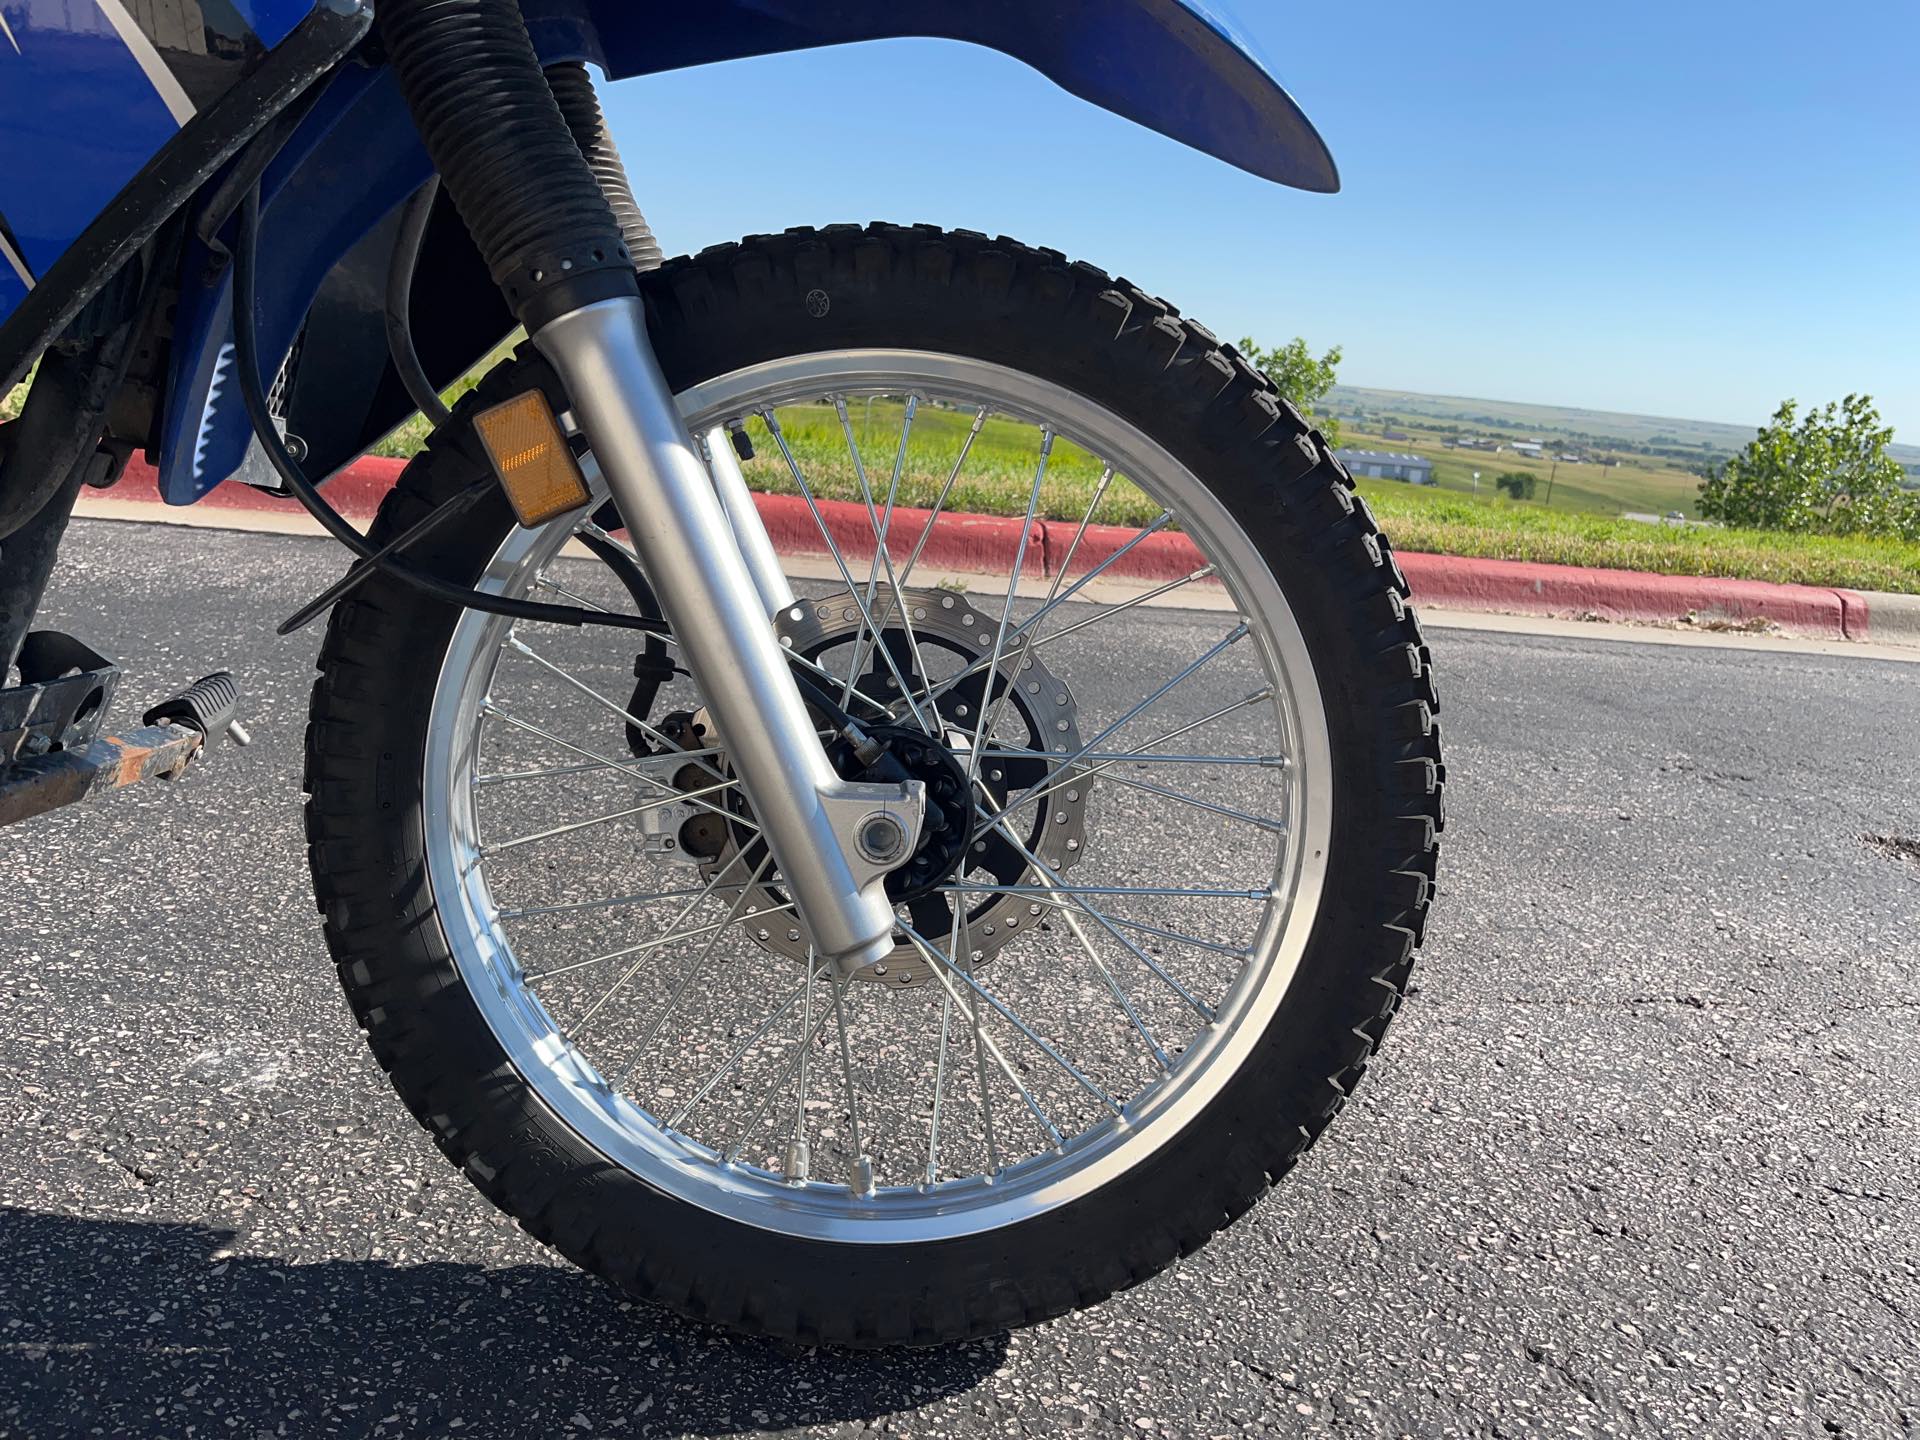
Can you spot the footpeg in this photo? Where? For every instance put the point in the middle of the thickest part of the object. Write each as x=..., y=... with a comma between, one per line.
x=208, y=705
x=173, y=733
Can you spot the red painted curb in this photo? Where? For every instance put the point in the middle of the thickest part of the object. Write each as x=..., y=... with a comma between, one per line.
x=960, y=541
x=988, y=543
x=1579, y=591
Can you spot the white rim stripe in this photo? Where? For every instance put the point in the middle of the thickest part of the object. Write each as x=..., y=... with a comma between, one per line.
x=15, y=263
x=148, y=59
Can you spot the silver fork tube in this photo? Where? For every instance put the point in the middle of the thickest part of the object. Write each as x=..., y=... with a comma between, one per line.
x=687, y=546
x=756, y=546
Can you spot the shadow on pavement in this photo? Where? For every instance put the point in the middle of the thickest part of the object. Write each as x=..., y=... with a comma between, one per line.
x=124, y=1327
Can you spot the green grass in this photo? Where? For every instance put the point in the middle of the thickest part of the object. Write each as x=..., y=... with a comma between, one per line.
x=1449, y=524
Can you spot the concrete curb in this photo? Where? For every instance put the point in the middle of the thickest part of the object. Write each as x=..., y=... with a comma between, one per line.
x=988, y=543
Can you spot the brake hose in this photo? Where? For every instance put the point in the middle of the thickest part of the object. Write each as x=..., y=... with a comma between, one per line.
x=253, y=396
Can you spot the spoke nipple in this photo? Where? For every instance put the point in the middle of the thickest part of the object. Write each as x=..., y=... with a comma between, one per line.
x=860, y=1175
x=799, y=1158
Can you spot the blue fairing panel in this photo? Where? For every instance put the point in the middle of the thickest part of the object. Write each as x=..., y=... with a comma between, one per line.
x=1173, y=65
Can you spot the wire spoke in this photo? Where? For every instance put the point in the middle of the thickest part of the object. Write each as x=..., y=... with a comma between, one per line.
x=989, y=707
x=1237, y=952
x=739, y=1053
x=615, y=902
x=643, y=950
x=1050, y=878
x=1233, y=637
x=694, y=967
x=882, y=528
x=1163, y=892
x=921, y=943
x=858, y=1183
x=1054, y=1137
x=840, y=563
x=1069, y=776
x=555, y=772
x=738, y=1138
x=632, y=768
x=1141, y=757
x=1225, y=812
x=487, y=851
x=520, y=647
x=940, y=500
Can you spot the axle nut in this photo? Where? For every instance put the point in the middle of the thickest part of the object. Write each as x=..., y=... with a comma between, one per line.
x=882, y=838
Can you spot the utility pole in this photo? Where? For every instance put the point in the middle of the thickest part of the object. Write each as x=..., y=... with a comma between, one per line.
x=1550, y=474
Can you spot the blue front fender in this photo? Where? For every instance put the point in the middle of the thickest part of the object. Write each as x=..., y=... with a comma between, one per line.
x=1171, y=65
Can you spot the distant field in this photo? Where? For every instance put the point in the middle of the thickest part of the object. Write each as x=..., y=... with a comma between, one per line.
x=1645, y=485
x=1563, y=420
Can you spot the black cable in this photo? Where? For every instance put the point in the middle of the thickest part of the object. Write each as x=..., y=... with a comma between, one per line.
x=246, y=342
x=406, y=256
x=362, y=570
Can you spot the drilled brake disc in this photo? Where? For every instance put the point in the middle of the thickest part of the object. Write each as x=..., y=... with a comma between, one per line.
x=949, y=639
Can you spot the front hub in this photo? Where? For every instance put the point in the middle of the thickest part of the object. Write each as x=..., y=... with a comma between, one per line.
x=946, y=661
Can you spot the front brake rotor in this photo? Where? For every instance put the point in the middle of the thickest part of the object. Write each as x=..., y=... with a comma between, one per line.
x=951, y=636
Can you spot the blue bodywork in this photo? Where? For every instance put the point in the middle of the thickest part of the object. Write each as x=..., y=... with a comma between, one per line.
x=1175, y=66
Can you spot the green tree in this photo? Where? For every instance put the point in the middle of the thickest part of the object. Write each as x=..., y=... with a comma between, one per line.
x=1518, y=484
x=1826, y=471
x=1300, y=377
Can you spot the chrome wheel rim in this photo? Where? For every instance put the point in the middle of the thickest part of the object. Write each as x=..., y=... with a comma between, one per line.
x=1028, y=1152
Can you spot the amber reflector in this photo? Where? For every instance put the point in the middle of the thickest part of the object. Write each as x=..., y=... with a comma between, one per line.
x=531, y=457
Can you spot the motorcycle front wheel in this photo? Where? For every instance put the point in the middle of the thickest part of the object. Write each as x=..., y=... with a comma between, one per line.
x=1184, y=751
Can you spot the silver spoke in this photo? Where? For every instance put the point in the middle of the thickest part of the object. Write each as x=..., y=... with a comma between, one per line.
x=1051, y=878
x=489, y=850
x=840, y=564
x=940, y=500
x=1034, y=1107
x=1233, y=637
x=633, y=768
x=692, y=972
x=989, y=707
x=555, y=772
x=939, y=1092
x=520, y=647
x=861, y=1181
x=736, y=1055
x=1165, y=892
x=737, y=1139
x=1006, y=1013
x=579, y=1026
x=1046, y=785
x=1225, y=812
x=1237, y=952
x=1142, y=757
x=882, y=527
x=613, y=902
x=1027, y=645
x=992, y=705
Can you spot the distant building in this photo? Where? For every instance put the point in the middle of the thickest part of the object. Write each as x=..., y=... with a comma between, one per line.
x=1395, y=435
x=1387, y=465
x=1531, y=449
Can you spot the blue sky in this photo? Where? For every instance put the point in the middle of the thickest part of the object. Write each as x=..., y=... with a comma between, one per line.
x=1685, y=208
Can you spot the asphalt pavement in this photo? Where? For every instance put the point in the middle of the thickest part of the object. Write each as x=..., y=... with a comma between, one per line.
x=1640, y=1157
